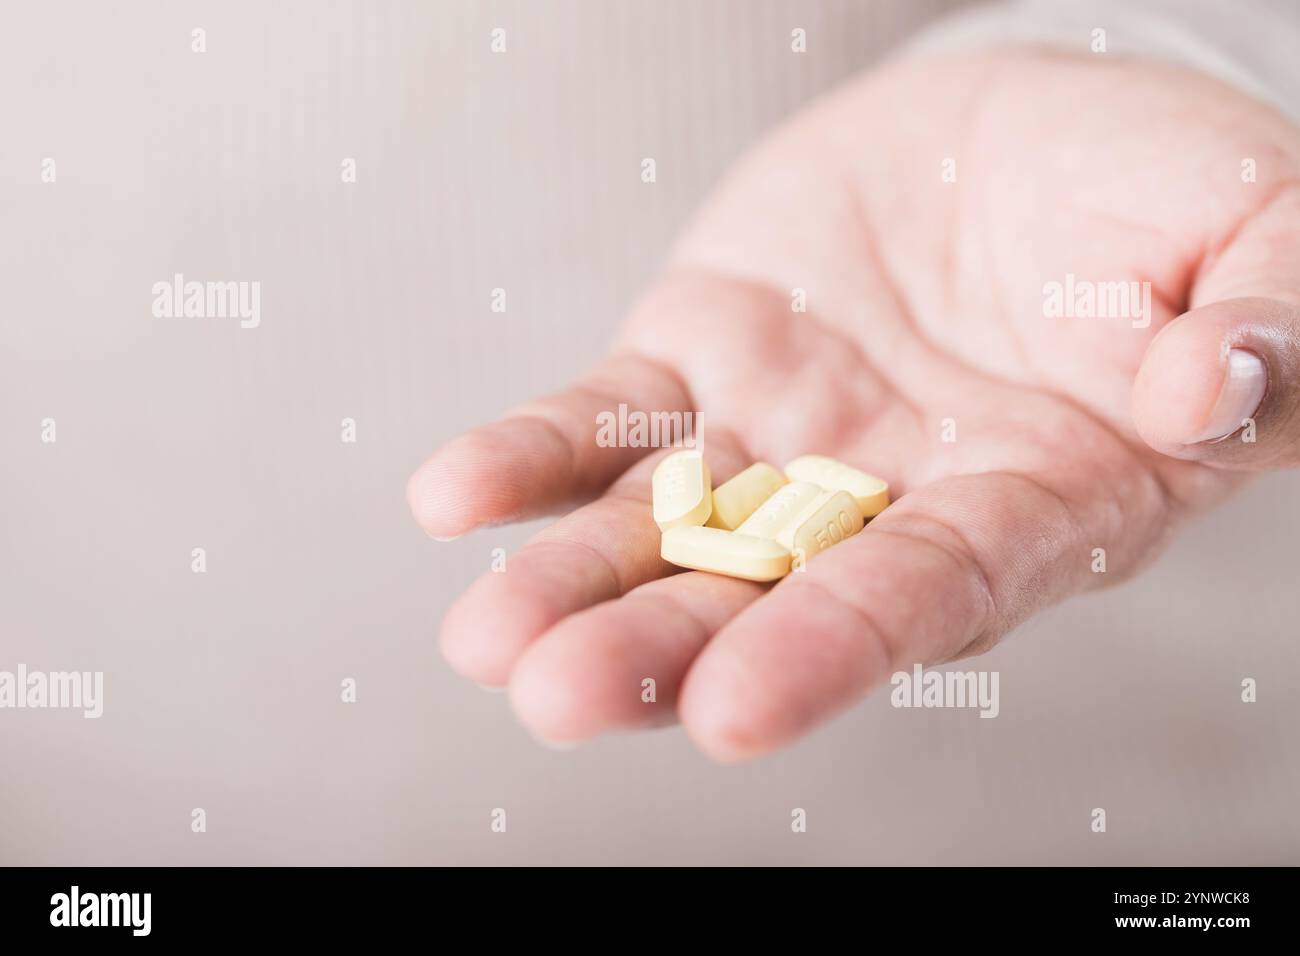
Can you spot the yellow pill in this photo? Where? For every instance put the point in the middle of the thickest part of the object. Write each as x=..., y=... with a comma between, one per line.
x=775, y=513
x=725, y=552
x=682, y=490
x=826, y=520
x=737, y=499
x=872, y=493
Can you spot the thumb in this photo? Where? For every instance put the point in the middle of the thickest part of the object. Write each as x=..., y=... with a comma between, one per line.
x=1221, y=383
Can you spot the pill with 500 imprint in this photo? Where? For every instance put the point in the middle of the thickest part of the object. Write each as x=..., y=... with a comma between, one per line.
x=826, y=520
x=758, y=526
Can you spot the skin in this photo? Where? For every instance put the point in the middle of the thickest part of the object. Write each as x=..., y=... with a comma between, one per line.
x=925, y=303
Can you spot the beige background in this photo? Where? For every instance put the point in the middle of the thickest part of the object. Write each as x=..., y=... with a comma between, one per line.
x=477, y=171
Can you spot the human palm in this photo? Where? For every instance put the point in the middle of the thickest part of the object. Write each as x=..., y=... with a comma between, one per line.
x=869, y=284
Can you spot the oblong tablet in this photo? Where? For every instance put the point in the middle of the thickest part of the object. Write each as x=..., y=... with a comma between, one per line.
x=775, y=513
x=725, y=552
x=738, y=498
x=682, y=490
x=825, y=521
x=872, y=493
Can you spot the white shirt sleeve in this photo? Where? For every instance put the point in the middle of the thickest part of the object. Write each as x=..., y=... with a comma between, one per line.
x=1251, y=44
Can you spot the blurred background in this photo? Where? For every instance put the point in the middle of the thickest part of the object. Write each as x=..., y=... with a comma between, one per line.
x=477, y=171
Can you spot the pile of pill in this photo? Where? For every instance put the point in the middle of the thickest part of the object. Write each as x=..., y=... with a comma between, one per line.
x=761, y=523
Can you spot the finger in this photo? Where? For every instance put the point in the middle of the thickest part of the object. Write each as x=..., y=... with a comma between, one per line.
x=939, y=574
x=1221, y=384
x=544, y=455
x=619, y=665
x=595, y=554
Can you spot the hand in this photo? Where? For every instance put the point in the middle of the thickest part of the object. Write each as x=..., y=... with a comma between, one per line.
x=925, y=321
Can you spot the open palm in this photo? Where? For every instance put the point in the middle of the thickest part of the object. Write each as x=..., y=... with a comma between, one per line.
x=919, y=214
